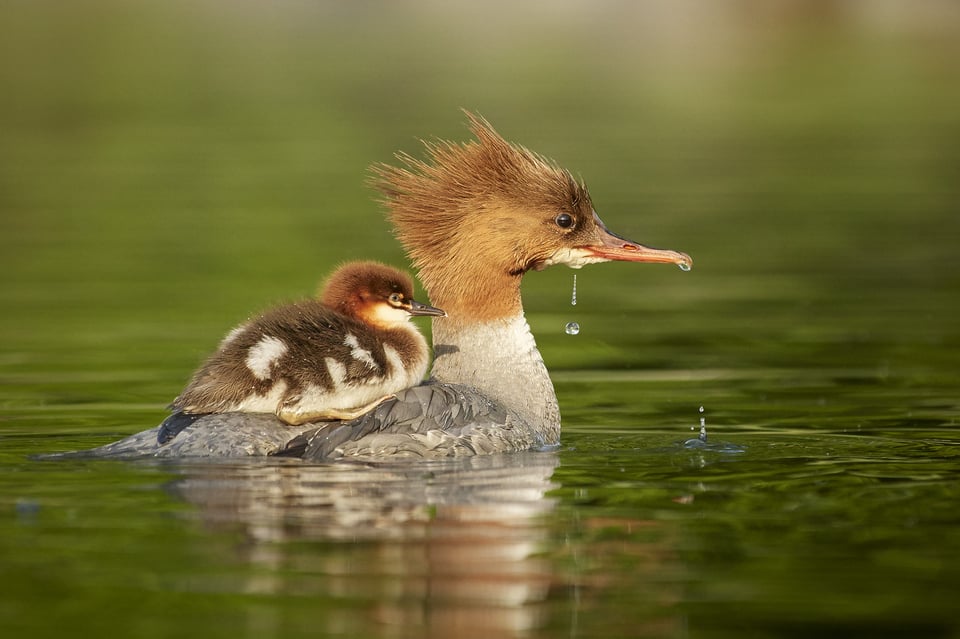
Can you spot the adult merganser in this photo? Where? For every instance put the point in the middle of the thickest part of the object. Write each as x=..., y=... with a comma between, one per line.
x=474, y=219
x=319, y=359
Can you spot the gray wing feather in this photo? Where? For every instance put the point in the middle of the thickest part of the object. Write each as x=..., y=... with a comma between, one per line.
x=213, y=435
x=430, y=420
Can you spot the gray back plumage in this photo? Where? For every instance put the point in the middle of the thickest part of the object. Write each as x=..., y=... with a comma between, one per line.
x=430, y=420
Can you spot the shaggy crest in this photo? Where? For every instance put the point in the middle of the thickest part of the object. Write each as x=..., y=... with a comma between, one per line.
x=466, y=203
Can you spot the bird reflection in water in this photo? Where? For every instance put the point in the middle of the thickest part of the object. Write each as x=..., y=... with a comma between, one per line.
x=451, y=547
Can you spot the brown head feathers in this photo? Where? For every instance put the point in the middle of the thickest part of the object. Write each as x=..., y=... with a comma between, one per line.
x=476, y=212
x=357, y=285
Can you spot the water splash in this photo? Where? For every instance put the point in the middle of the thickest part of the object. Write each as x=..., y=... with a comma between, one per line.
x=703, y=430
x=700, y=442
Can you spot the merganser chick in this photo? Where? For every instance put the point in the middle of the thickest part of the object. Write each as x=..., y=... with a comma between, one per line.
x=320, y=359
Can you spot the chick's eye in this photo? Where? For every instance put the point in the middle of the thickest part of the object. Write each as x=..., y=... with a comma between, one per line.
x=395, y=298
x=564, y=220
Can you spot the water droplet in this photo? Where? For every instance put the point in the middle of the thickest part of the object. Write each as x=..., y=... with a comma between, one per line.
x=572, y=328
x=701, y=409
x=684, y=266
x=573, y=298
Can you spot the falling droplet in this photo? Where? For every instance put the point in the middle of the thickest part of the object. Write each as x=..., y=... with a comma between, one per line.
x=684, y=266
x=703, y=426
x=572, y=328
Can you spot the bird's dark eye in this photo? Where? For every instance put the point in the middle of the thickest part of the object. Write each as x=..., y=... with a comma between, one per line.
x=564, y=220
x=396, y=299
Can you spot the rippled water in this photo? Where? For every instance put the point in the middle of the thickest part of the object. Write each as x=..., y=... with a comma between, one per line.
x=166, y=171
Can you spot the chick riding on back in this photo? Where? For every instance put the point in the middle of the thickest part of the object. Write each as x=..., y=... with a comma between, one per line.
x=320, y=359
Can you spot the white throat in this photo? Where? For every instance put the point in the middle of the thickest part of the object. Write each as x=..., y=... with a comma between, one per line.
x=500, y=359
